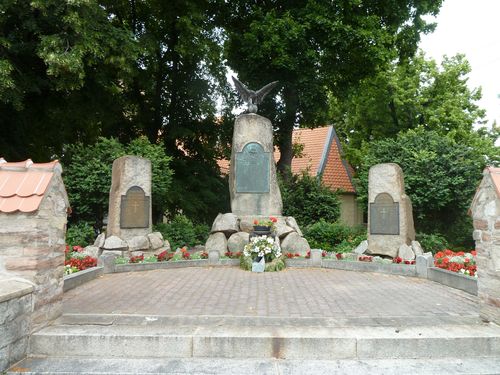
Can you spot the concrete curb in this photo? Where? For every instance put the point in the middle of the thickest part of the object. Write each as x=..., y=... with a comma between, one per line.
x=81, y=277
x=393, y=269
x=131, y=267
x=453, y=279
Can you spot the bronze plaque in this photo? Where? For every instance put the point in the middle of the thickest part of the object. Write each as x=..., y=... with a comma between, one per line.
x=134, y=209
x=384, y=215
x=253, y=166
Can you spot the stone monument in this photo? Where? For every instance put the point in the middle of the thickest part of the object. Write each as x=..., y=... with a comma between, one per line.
x=390, y=217
x=253, y=183
x=130, y=198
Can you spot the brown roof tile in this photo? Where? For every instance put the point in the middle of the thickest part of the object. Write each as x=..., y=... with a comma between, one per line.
x=495, y=177
x=23, y=184
x=337, y=172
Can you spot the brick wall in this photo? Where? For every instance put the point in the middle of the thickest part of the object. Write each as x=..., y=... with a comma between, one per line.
x=16, y=306
x=32, y=247
x=485, y=211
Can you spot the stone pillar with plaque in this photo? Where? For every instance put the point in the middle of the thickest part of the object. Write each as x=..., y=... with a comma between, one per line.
x=253, y=184
x=130, y=198
x=390, y=217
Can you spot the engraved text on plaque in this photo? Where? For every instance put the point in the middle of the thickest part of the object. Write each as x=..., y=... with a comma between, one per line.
x=134, y=209
x=384, y=215
x=252, y=169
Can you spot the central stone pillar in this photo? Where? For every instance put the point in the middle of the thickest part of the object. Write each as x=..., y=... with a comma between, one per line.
x=253, y=185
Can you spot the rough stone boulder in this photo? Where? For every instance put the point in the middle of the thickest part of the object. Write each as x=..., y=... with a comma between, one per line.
x=99, y=241
x=155, y=240
x=282, y=229
x=417, y=248
x=138, y=243
x=361, y=248
x=226, y=223
x=217, y=241
x=406, y=253
x=115, y=243
x=237, y=242
x=92, y=251
x=294, y=243
x=291, y=222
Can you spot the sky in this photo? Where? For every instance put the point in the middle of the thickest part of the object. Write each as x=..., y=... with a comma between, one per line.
x=471, y=27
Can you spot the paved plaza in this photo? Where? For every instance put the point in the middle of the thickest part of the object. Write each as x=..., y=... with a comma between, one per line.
x=340, y=296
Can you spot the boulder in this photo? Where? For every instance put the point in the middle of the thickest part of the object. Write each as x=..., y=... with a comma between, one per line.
x=226, y=223
x=417, y=248
x=237, y=241
x=138, y=243
x=155, y=240
x=282, y=229
x=99, y=241
x=199, y=248
x=166, y=245
x=294, y=243
x=92, y=251
x=291, y=222
x=405, y=252
x=115, y=243
x=361, y=248
x=217, y=241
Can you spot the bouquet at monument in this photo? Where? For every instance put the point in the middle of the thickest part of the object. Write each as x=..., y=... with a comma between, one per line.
x=266, y=222
x=262, y=246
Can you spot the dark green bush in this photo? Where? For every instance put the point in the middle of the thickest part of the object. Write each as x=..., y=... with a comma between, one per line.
x=80, y=233
x=432, y=242
x=308, y=200
x=328, y=236
x=182, y=232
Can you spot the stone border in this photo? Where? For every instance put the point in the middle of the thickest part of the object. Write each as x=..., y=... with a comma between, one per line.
x=453, y=279
x=298, y=263
x=393, y=269
x=81, y=277
x=131, y=267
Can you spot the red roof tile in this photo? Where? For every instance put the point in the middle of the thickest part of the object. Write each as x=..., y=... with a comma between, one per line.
x=317, y=143
x=495, y=177
x=23, y=184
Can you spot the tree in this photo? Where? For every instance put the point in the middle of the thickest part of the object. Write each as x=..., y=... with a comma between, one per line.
x=63, y=66
x=441, y=177
x=315, y=48
x=87, y=176
x=416, y=93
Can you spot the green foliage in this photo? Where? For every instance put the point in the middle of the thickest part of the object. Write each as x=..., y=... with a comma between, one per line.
x=432, y=242
x=87, y=175
x=80, y=233
x=314, y=48
x=328, y=236
x=308, y=200
x=440, y=174
x=410, y=94
x=181, y=231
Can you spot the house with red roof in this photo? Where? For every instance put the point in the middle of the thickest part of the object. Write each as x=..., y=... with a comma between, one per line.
x=322, y=156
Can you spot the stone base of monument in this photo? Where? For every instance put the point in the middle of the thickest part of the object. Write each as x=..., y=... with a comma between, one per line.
x=231, y=233
x=152, y=243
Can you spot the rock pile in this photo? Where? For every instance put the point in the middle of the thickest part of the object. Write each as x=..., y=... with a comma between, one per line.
x=153, y=242
x=231, y=233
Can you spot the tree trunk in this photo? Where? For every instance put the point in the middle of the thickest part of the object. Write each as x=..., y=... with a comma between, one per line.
x=285, y=141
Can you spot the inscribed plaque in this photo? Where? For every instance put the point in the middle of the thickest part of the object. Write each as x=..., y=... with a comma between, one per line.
x=134, y=209
x=252, y=169
x=384, y=215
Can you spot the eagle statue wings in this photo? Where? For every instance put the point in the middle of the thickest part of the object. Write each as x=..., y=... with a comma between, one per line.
x=252, y=98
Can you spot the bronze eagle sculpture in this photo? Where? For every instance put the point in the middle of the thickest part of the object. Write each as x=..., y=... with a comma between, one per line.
x=252, y=98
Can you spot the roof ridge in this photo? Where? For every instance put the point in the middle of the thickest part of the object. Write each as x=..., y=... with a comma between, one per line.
x=28, y=165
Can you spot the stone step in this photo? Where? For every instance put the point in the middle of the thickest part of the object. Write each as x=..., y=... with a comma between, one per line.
x=223, y=366
x=266, y=342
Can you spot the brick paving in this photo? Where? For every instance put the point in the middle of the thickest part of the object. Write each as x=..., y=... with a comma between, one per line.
x=292, y=293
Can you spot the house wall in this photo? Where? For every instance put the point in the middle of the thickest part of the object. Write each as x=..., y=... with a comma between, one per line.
x=351, y=212
x=32, y=247
x=486, y=219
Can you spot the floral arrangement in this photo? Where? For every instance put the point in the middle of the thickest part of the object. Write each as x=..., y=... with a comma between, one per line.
x=75, y=260
x=460, y=261
x=266, y=222
x=262, y=246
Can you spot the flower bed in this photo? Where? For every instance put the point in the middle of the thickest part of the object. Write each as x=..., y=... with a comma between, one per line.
x=460, y=262
x=164, y=256
x=75, y=260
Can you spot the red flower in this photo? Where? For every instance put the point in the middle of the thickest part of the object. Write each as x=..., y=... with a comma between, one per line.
x=186, y=255
x=137, y=258
x=256, y=222
x=338, y=256
x=474, y=252
x=161, y=257
x=323, y=253
x=289, y=255
x=204, y=255
x=308, y=254
x=273, y=219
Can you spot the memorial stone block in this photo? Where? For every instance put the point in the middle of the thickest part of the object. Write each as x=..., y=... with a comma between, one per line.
x=252, y=169
x=390, y=219
x=130, y=198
